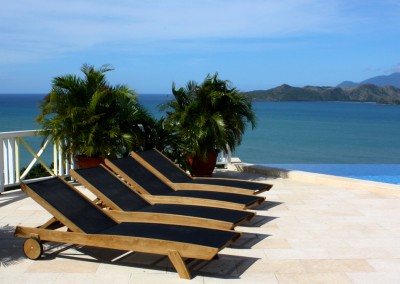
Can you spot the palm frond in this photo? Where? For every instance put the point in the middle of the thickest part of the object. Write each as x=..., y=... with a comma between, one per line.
x=208, y=116
x=95, y=117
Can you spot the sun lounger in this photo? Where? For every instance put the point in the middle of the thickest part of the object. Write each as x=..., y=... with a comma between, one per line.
x=145, y=182
x=170, y=173
x=89, y=225
x=127, y=203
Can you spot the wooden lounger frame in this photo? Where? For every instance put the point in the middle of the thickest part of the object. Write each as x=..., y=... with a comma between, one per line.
x=150, y=217
x=174, y=199
x=194, y=185
x=189, y=186
x=174, y=250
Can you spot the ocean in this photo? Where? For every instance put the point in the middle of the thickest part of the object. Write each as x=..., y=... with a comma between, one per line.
x=287, y=133
x=323, y=133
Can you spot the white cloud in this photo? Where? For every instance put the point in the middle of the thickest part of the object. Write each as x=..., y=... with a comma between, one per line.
x=395, y=68
x=33, y=29
x=162, y=19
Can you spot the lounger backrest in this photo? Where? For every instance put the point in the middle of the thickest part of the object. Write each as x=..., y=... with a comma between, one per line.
x=165, y=166
x=142, y=176
x=71, y=205
x=112, y=187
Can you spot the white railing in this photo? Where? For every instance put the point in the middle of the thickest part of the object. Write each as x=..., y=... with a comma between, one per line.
x=10, y=155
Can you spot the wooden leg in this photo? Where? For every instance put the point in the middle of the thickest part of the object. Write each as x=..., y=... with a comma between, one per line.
x=53, y=223
x=179, y=264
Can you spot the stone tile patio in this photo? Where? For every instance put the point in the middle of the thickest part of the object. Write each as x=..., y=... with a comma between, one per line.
x=307, y=232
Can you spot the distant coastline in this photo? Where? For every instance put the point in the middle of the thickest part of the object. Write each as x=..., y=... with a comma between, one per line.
x=286, y=132
x=362, y=93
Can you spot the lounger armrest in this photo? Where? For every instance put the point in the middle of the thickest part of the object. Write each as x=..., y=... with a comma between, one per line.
x=162, y=218
x=194, y=201
x=210, y=187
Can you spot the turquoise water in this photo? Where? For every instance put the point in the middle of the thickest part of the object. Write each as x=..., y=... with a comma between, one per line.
x=17, y=112
x=389, y=173
x=295, y=133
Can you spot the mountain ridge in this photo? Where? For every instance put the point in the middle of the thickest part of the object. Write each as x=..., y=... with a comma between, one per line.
x=382, y=80
x=360, y=93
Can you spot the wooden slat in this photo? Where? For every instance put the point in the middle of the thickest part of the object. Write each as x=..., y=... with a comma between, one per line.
x=210, y=187
x=145, y=245
x=194, y=201
x=163, y=218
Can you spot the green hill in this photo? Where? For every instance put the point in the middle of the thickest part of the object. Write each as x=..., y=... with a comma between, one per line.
x=363, y=93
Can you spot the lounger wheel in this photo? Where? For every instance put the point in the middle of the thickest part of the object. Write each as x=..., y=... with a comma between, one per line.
x=33, y=248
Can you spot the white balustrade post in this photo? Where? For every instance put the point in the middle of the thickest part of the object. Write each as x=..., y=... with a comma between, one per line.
x=55, y=158
x=11, y=160
x=229, y=156
x=61, y=170
x=17, y=161
x=5, y=160
x=2, y=166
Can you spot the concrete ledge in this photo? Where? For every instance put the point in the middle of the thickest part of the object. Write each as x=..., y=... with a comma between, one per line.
x=315, y=178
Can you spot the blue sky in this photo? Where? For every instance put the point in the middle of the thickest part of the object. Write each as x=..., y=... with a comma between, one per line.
x=256, y=44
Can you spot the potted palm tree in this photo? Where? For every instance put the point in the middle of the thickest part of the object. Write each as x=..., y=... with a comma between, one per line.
x=91, y=118
x=207, y=118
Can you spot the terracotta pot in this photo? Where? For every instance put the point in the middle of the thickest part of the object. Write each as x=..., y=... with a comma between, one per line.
x=88, y=162
x=203, y=168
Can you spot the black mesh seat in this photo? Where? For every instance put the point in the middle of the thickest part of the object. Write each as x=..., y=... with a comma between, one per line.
x=70, y=204
x=118, y=195
x=184, y=234
x=176, y=175
x=136, y=173
x=108, y=184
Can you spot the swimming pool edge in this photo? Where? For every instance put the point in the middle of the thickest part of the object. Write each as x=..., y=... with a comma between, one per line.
x=315, y=178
